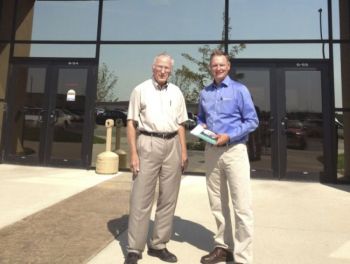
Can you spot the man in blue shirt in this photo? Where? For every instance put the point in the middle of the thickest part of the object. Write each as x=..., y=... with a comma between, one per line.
x=226, y=108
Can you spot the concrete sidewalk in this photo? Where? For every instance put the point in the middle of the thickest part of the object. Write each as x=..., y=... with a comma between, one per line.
x=295, y=222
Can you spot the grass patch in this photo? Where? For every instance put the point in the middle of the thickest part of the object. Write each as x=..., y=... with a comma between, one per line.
x=196, y=145
x=340, y=163
x=98, y=140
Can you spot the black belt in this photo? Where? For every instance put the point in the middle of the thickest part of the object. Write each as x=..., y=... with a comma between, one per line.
x=160, y=135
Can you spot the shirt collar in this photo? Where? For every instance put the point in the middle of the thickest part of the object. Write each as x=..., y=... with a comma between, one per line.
x=224, y=83
x=159, y=87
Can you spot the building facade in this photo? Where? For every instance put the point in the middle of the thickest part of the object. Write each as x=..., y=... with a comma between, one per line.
x=67, y=66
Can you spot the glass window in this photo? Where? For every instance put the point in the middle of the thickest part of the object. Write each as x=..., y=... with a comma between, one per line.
x=286, y=51
x=341, y=75
x=341, y=19
x=55, y=50
x=273, y=19
x=130, y=65
x=337, y=77
x=57, y=20
x=6, y=17
x=162, y=20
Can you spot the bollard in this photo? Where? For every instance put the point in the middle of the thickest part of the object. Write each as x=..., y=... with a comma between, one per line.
x=107, y=162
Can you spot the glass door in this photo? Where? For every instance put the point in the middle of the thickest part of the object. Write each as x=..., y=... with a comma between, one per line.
x=27, y=113
x=48, y=123
x=258, y=80
x=288, y=99
x=303, y=123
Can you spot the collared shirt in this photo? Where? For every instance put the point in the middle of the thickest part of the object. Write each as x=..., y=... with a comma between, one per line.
x=158, y=86
x=157, y=110
x=228, y=109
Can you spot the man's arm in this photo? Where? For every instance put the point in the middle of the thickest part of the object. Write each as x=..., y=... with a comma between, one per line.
x=249, y=117
x=182, y=137
x=134, y=157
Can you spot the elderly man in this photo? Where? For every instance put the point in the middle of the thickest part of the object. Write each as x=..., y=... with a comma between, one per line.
x=156, y=137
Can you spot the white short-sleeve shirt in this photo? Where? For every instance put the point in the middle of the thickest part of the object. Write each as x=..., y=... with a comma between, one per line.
x=157, y=110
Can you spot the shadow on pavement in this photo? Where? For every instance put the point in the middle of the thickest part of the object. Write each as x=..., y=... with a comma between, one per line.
x=184, y=231
x=192, y=233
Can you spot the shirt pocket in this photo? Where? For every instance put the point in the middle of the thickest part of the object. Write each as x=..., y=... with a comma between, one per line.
x=226, y=105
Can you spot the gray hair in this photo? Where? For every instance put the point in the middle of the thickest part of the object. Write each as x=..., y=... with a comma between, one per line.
x=164, y=54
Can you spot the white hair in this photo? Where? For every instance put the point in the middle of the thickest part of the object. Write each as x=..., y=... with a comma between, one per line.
x=164, y=54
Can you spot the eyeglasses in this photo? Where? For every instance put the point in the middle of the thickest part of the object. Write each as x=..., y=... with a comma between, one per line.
x=160, y=68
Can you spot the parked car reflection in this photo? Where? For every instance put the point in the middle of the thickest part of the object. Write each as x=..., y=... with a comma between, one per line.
x=192, y=116
x=33, y=117
x=296, y=134
x=103, y=114
x=190, y=124
x=313, y=127
x=63, y=118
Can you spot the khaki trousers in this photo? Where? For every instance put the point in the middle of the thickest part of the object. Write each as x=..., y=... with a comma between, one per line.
x=228, y=172
x=160, y=159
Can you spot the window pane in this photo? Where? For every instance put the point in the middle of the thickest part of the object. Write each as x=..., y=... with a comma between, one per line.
x=287, y=51
x=57, y=20
x=273, y=19
x=131, y=65
x=6, y=16
x=341, y=75
x=162, y=20
x=55, y=50
x=337, y=77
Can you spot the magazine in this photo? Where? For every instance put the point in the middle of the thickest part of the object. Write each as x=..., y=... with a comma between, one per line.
x=205, y=134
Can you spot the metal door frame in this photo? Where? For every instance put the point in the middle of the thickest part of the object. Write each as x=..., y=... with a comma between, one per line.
x=277, y=100
x=53, y=65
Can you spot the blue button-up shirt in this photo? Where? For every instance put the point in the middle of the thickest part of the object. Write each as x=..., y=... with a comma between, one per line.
x=228, y=109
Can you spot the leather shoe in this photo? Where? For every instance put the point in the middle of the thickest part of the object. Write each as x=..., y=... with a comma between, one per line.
x=163, y=254
x=217, y=255
x=132, y=258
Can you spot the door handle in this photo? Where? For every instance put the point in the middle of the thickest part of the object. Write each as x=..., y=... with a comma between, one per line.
x=284, y=123
x=53, y=117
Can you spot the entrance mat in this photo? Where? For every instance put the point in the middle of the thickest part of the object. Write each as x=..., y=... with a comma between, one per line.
x=71, y=231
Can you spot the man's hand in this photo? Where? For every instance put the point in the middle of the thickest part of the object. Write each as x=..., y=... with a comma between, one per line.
x=184, y=163
x=222, y=139
x=134, y=165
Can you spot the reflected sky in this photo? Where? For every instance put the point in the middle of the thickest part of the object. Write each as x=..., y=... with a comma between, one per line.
x=276, y=19
x=178, y=20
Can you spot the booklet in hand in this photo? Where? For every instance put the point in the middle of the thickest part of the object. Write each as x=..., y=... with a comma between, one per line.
x=205, y=134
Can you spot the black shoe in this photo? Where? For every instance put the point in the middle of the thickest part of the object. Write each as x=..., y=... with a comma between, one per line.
x=132, y=258
x=217, y=255
x=163, y=254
